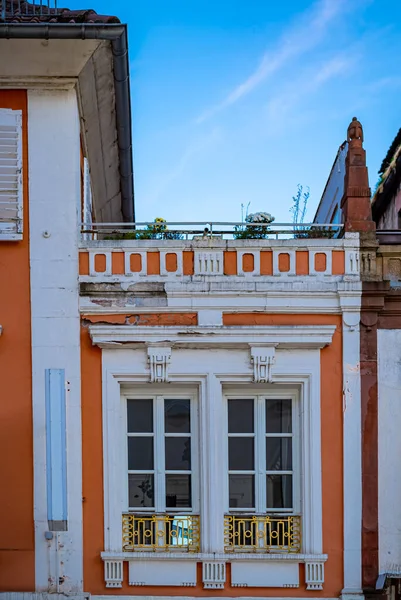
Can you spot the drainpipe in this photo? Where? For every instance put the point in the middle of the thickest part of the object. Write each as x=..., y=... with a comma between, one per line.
x=116, y=34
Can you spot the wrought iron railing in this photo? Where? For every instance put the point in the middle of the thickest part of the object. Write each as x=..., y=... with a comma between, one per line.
x=161, y=533
x=204, y=230
x=251, y=533
x=10, y=8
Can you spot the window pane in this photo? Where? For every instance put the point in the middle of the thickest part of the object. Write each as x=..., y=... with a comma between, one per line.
x=178, y=491
x=241, y=454
x=177, y=416
x=140, y=453
x=278, y=454
x=242, y=491
x=278, y=416
x=279, y=491
x=240, y=416
x=140, y=416
x=178, y=453
x=141, y=490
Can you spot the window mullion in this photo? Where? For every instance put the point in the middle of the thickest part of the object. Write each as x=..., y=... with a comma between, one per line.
x=260, y=455
x=160, y=463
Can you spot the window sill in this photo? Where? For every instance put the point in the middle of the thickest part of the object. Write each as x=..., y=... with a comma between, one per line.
x=179, y=569
x=6, y=236
x=199, y=556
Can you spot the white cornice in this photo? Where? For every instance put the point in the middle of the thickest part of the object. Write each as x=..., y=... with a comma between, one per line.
x=282, y=336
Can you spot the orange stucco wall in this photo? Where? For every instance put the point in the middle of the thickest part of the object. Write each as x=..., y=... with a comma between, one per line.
x=17, y=561
x=331, y=400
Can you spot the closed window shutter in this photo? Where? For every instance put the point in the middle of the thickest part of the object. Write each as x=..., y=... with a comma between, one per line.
x=10, y=172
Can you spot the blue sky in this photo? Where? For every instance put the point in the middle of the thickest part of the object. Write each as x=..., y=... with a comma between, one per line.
x=238, y=101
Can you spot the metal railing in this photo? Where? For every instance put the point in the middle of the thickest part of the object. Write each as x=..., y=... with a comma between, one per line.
x=203, y=230
x=11, y=8
x=281, y=534
x=160, y=533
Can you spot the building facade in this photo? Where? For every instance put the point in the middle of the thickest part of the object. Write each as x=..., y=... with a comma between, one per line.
x=183, y=415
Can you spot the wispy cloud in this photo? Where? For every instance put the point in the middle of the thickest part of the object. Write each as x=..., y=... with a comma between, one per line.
x=305, y=35
x=198, y=145
x=283, y=105
x=383, y=83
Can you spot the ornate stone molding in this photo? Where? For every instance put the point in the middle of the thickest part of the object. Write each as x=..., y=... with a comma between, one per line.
x=113, y=573
x=281, y=336
x=159, y=359
x=314, y=575
x=214, y=574
x=262, y=358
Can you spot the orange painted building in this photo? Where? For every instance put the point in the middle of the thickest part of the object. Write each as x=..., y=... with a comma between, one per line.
x=181, y=412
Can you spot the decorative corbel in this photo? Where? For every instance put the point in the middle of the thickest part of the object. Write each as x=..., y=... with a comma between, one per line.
x=314, y=575
x=159, y=359
x=113, y=573
x=262, y=358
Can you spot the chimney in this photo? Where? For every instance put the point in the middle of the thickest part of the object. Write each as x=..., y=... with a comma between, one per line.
x=355, y=202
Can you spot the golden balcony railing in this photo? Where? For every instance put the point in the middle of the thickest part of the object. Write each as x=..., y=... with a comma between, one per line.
x=251, y=533
x=161, y=533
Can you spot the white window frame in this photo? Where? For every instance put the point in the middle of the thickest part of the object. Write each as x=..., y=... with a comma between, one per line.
x=297, y=365
x=259, y=397
x=12, y=230
x=158, y=397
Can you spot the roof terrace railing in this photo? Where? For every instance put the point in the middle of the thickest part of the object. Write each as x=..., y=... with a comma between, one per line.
x=10, y=8
x=174, y=230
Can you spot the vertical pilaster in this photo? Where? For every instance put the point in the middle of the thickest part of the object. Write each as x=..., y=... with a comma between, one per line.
x=352, y=459
x=54, y=190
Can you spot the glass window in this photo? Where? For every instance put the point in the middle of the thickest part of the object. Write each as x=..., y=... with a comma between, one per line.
x=260, y=454
x=160, y=453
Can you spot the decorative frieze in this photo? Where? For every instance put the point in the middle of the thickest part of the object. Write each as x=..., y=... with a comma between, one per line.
x=159, y=359
x=209, y=263
x=262, y=358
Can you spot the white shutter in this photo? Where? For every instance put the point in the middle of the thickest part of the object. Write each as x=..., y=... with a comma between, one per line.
x=10, y=174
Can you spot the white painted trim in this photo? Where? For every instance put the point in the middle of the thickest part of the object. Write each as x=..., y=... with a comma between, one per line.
x=352, y=462
x=292, y=368
x=208, y=262
x=10, y=237
x=127, y=264
x=214, y=574
x=256, y=263
x=145, y=556
x=163, y=268
x=282, y=336
x=312, y=255
x=233, y=294
x=92, y=271
x=159, y=358
x=275, y=574
x=54, y=141
x=291, y=253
